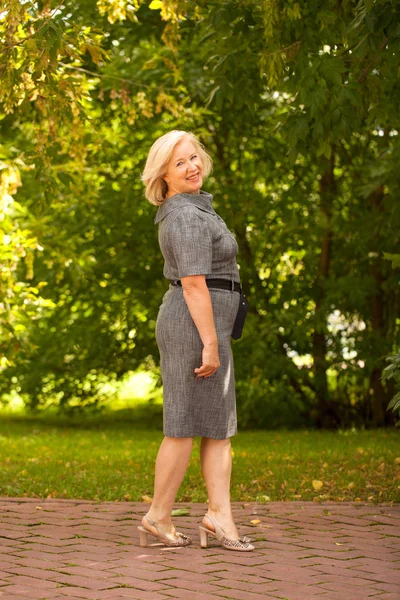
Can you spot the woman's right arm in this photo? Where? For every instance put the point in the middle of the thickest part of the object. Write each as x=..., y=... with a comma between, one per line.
x=198, y=300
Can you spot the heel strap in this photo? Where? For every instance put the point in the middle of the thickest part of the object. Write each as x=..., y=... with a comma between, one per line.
x=150, y=521
x=213, y=523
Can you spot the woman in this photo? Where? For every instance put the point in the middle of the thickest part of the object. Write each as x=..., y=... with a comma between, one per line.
x=193, y=332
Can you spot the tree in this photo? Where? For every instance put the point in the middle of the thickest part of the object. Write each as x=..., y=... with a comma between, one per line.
x=299, y=107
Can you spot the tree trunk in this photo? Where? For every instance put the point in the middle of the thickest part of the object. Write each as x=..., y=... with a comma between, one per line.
x=380, y=396
x=326, y=415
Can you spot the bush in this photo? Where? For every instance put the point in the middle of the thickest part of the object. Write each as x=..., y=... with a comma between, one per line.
x=392, y=371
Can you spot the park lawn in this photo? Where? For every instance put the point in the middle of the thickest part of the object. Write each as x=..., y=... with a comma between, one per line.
x=114, y=460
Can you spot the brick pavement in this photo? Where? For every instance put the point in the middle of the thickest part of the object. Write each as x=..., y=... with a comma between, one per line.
x=69, y=549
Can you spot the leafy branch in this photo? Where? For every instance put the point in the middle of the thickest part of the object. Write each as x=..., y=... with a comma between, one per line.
x=45, y=22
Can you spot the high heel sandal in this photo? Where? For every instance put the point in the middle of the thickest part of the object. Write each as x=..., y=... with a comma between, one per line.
x=183, y=540
x=242, y=544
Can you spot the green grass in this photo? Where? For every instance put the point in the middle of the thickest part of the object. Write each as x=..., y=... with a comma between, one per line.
x=112, y=458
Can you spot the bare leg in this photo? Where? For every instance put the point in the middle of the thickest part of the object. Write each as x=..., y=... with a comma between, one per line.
x=216, y=465
x=171, y=464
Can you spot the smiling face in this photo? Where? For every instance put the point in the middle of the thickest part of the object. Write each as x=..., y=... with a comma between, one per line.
x=185, y=169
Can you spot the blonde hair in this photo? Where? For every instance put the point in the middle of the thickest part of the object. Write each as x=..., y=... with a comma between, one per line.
x=157, y=163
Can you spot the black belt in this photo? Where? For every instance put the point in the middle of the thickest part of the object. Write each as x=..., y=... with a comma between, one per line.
x=223, y=284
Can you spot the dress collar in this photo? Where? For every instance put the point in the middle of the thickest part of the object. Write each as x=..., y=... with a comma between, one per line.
x=202, y=200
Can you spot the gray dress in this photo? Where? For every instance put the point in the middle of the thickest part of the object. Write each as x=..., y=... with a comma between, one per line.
x=194, y=240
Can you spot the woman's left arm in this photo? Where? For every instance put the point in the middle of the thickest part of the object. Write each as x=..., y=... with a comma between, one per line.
x=198, y=300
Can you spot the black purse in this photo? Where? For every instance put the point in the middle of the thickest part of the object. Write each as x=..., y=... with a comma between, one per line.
x=240, y=317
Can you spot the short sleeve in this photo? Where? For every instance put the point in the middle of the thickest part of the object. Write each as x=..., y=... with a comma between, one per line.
x=189, y=239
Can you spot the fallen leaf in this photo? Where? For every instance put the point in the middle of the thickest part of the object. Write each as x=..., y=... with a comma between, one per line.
x=263, y=498
x=338, y=544
x=397, y=461
x=180, y=512
x=255, y=521
x=351, y=485
x=147, y=499
x=317, y=485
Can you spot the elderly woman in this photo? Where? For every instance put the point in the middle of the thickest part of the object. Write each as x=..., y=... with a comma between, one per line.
x=193, y=333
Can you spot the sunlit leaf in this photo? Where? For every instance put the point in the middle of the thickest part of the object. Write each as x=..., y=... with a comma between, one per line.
x=317, y=484
x=180, y=512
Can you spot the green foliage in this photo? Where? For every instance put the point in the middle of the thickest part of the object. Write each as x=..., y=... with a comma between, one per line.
x=297, y=103
x=392, y=371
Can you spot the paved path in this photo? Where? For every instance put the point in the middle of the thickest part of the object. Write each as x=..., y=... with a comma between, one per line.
x=59, y=549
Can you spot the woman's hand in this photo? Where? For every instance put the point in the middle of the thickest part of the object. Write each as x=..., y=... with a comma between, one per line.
x=210, y=361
